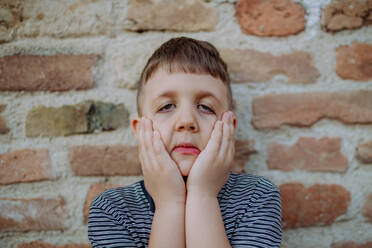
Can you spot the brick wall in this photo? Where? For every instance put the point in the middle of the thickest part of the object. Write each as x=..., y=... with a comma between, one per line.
x=302, y=85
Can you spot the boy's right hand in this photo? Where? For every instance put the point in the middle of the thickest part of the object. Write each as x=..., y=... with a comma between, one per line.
x=163, y=180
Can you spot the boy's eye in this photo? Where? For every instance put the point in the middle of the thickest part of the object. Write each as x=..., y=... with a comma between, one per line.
x=206, y=108
x=166, y=107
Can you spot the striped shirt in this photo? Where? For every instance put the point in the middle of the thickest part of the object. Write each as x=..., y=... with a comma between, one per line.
x=250, y=207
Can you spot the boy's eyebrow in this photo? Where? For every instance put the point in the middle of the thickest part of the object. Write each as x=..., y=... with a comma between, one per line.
x=200, y=94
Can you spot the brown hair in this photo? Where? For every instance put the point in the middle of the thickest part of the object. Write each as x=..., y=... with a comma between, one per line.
x=186, y=55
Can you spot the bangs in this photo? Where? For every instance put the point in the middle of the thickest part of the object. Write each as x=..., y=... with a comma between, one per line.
x=184, y=67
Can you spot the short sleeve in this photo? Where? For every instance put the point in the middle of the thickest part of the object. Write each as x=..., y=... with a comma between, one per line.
x=104, y=230
x=260, y=225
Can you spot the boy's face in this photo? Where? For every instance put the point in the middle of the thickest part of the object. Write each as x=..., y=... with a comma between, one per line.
x=184, y=108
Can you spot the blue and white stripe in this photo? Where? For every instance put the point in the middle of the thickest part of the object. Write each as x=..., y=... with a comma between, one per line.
x=250, y=207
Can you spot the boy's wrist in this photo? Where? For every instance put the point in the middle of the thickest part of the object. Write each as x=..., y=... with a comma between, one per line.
x=197, y=193
x=172, y=204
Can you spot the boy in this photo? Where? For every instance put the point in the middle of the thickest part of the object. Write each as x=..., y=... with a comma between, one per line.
x=189, y=197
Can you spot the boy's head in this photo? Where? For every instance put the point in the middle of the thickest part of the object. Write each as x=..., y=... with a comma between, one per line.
x=184, y=55
x=184, y=89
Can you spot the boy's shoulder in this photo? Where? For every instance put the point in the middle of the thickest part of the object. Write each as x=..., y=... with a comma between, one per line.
x=248, y=185
x=250, y=180
x=124, y=197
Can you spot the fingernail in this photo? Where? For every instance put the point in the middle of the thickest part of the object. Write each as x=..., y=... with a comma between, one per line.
x=225, y=116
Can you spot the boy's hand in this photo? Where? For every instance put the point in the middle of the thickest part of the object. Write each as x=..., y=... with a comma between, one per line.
x=211, y=169
x=162, y=177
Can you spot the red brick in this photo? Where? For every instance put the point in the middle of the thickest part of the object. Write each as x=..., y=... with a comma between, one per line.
x=104, y=160
x=270, y=17
x=317, y=205
x=171, y=15
x=46, y=73
x=309, y=154
x=3, y=123
x=354, y=62
x=367, y=208
x=350, y=244
x=40, y=244
x=346, y=14
x=25, y=166
x=35, y=214
x=93, y=192
x=243, y=150
x=369, y=19
x=364, y=152
x=247, y=65
x=305, y=109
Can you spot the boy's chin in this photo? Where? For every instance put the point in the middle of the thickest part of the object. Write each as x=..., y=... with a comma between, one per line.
x=184, y=165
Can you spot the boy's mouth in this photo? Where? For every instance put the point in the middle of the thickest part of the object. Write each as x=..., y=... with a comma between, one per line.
x=186, y=148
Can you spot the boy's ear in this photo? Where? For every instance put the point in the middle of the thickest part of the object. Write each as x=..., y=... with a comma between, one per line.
x=134, y=125
x=235, y=121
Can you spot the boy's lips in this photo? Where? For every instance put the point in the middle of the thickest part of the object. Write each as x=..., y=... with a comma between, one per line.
x=186, y=148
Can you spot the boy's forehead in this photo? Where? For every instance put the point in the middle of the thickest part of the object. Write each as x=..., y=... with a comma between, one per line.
x=164, y=84
x=203, y=84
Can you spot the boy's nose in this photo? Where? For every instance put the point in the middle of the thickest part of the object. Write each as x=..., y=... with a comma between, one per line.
x=187, y=125
x=186, y=121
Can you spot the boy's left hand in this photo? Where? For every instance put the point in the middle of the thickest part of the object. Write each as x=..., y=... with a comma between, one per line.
x=211, y=169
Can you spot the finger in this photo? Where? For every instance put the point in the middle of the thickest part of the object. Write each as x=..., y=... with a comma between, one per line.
x=142, y=148
x=231, y=146
x=215, y=140
x=160, y=151
x=147, y=134
x=225, y=137
x=149, y=144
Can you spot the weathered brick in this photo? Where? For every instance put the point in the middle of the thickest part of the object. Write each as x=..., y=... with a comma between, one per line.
x=74, y=18
x=317, y=205
x=354, y=62
x=367, y=208
x=10, y=16
x=172, y=15
x=3, y=126
x=351, y=244
x=3, y=123
x=35, y=214
x=93, y=192
x=248, y=65
x=308, y=154
x=40, y=244
x=270, y=17
x=364, y=152
x=47, y=73
x=25, y=166
x=243, y=150
x=83, y=118
x=105, y=160
x=305, y=109
x=346, y=14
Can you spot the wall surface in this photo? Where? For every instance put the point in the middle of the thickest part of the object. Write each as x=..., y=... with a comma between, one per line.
x=302, y=85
